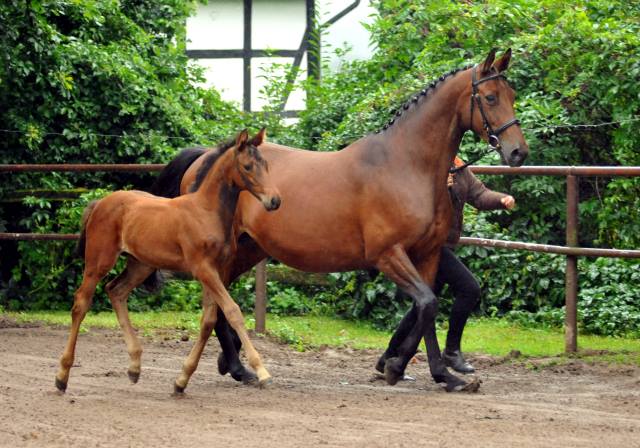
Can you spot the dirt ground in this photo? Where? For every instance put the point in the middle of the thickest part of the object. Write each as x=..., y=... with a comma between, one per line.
x=326, y=397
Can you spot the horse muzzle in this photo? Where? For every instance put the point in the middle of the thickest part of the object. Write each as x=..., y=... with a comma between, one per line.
x=517, y=156
x=271, y=202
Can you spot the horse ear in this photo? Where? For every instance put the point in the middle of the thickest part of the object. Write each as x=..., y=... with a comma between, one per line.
x=260, y=137
x=503, y=63
x=241, y=140
x=486, y=65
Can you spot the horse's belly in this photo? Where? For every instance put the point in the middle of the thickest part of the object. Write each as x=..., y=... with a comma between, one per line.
x=318, y=242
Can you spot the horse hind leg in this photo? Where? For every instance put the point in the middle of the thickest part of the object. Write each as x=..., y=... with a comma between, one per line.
x=207, y=323
x=97, y=264
x=229, y=357
x=248, y=254
x=118, y=291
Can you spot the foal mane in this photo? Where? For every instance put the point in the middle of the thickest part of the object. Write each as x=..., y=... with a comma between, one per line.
x=209, y=161
x=421, y=94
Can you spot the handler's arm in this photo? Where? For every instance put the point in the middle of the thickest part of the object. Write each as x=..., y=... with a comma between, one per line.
x=483, y=198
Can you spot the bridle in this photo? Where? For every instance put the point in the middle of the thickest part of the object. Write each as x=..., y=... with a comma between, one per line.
x=492, y=134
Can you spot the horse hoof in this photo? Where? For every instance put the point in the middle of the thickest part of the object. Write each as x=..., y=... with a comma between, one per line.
x=133, y=376
x=223, y=365
x=249, y=378
x=178, y=390
x=471, y=387
x=393, y=372
x=61, y=386
x=380, y=364
x=263, y=383
x=457, y=385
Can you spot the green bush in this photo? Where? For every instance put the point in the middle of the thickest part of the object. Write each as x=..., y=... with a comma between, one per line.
x=72, y=72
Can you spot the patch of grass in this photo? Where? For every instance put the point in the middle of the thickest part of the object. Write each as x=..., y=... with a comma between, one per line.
x=488, y=336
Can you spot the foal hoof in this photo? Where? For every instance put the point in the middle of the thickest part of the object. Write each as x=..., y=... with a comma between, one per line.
x=178, y=390
x=393, y=371
x=263, y=383
x=133, y=376
x=61, y=386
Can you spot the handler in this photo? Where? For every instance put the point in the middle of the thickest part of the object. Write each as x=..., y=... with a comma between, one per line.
x=463, y=187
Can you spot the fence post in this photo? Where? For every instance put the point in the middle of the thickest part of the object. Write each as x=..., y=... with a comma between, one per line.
x=571, y=272
x=261, y=296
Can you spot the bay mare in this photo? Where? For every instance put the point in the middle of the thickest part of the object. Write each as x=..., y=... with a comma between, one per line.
x=381, y=202
x=190, y=233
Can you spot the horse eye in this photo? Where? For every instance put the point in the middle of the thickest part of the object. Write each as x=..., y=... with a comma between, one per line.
x=490, y=98
x=248, y=167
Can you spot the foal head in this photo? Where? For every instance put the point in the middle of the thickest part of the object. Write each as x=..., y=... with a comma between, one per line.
x=491, y=113
x=251, y=171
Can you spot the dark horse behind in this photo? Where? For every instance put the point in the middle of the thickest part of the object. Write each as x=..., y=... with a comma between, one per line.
x=381, y=202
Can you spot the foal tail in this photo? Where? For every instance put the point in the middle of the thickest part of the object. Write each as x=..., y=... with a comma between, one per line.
x=83, y=234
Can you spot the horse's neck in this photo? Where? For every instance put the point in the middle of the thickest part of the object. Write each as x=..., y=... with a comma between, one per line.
x=218, y=189
x=427, y=137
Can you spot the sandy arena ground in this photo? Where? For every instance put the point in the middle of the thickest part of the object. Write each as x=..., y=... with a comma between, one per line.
x=318, y=398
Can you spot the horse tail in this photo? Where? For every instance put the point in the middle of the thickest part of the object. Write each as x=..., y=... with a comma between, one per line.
x=167, y=185
x=83, y=228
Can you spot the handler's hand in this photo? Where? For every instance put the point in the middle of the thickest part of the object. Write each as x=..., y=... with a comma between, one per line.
x=508, y=202
x=450, y=180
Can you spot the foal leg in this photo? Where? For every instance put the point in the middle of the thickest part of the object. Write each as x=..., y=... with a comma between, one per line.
x=207, y=322
x=98, y=263
x=211, y=280
x=118, y=291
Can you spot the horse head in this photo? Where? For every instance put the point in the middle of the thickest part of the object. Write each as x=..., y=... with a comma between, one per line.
x=491, y=113
x=253, y=171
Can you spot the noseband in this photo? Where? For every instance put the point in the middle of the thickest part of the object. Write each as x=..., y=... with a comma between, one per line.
x=492, y=134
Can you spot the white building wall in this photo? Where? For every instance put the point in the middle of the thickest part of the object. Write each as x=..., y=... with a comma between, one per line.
x=276, y=24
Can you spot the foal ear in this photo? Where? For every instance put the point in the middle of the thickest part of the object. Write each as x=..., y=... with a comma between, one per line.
x=241, y=140
x=503, y=63
x=486, y=65
x=260, y=137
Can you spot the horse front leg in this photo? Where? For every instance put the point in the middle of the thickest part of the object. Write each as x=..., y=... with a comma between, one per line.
x=415, y=281
x=211, y=280
x=439, y=372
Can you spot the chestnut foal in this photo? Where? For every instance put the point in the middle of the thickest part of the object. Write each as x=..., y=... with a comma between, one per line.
x=192, y=233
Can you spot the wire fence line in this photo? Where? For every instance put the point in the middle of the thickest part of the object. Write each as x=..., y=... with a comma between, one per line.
x=148, y=135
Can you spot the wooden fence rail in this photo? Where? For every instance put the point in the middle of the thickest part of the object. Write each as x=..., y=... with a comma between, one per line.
x=571, y=250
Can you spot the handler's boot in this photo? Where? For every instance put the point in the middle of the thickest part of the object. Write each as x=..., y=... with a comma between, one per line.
x=455, y=360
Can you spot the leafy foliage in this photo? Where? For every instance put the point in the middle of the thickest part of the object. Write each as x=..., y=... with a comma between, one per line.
x=571, y=66
x=76, y=74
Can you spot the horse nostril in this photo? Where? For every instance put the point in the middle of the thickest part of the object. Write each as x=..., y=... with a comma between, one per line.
x=515, y=154
x=275, y=203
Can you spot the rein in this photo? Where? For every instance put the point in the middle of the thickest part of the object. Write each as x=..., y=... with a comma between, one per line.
x=492, y=134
